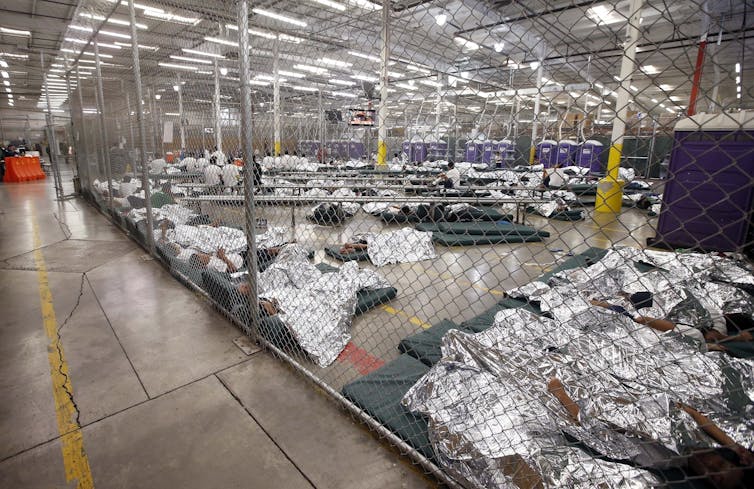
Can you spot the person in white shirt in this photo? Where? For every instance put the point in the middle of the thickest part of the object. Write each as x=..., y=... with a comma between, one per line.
x=190, y=163
x=268, y=161
x=158, y=165
x=396, y=159
x=556, y=177
x=212, y=175
x=219, y=157
x=231, y=175
x=452, y=177
x=303, y=161
x=127, y=187
x=285, y=161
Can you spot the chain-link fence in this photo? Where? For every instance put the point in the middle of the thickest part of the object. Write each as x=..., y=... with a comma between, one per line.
x=511, y=237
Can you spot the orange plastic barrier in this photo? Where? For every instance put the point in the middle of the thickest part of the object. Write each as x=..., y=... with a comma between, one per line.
x=23, y=169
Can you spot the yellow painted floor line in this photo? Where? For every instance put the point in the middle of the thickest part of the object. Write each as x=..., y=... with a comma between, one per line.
x=411, y=319
x=77, y=470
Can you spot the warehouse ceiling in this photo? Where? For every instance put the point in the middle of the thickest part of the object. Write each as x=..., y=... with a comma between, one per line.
x=460, y=56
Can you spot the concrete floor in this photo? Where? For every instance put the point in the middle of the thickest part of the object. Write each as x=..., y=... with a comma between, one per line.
x=164, y=398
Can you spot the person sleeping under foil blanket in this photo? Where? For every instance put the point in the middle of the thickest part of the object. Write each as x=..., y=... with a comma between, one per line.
x=405, y=245
x=219, y=248
x=316, y=307
x=705, y=297
x=500, y=405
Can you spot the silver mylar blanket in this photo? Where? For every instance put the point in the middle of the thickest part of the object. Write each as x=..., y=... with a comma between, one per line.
x=405, y=245
x=316, y=307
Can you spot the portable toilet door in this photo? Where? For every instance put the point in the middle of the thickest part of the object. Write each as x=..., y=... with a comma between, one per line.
x=506, y=151
x=589, y=155
x=420, y=151
x=487, y=149
x=407, y=150
x=438, y=150
x=567, y=151
x=355, y=150
x=547, y=152
x=472, y=152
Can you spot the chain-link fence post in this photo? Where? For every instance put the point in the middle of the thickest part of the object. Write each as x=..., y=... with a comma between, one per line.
x=142, y=154
x=276, y=97
x=77, y=175
x=609, y=190
x=217, y=109
x=83, y=148
x=247, y=142
x=51, y=140
x=102, y=124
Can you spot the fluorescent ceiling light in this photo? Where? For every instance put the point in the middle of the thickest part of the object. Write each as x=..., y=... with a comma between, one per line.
x=365, y=4
x=667, y=88
x=112, y=20
x=88, y=53
x=114, y=34
x=6, y=83
x=280, y=17
x=466, y=44
x=13, y=55
x=223, y=71
x=365, y=78
x=174, y=114
x=204, y=72
x=498, y=46
x=344, y=83
x=431, y=83
x=268, y=77
x=191, y=60
x=654, y=101
x=669, y=109
x=331, y=4
x=99, y=44
x=334, y=62
x=441, y=19
x=141, y=46
x=202, y=53
x=15, y=32
x=3, y=64
x=650, y=69
x=599, y=85
x=603, y=15
x=418, y=69
x=343, y=94
x=406, y=86
x=177, y=66
x=219, y=40
x=312, y=69
x=634, y=88
x=291, y=74
x=259, y=83
x=376, y=59
x=738, y=67
x=304, y=89
x=156, y=13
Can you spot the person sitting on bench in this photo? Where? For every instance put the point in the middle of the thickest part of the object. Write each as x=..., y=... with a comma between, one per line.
x=451, y=178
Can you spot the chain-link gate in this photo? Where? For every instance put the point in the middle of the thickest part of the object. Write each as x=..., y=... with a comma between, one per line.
x=511, y=237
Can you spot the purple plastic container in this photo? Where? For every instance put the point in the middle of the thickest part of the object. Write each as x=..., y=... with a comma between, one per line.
x=567, y=152
x=473, y=152
x=355, y=150
x=707, y=202
x=487, y=152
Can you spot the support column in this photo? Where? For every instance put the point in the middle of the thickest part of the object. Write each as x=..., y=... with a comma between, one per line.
x=321, y=126
x=276, y=96
x=142, y=128
x=610, y=188
x=102, y=127
x=247, y=143
x=70, y=117
x=537, y=102
x=384, y=61
x=218, y=113
x=182, y=129
x=131, y=141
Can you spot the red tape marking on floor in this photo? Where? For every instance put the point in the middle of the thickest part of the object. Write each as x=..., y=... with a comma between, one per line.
x=361, y=359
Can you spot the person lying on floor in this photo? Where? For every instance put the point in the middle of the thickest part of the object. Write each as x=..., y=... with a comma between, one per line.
x=404, y=245
x=714, y=336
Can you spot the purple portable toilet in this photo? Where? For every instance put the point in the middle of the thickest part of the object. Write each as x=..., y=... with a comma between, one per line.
x=355, y=150
x=407, y=150
x=567, y=152
x=487, y=149
x=473, y=152
x=547, y=152
x=343, y=149
x=589, y=155
x=438, y=150
x=709, y=194
x=419, y=151
x=506, y=151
